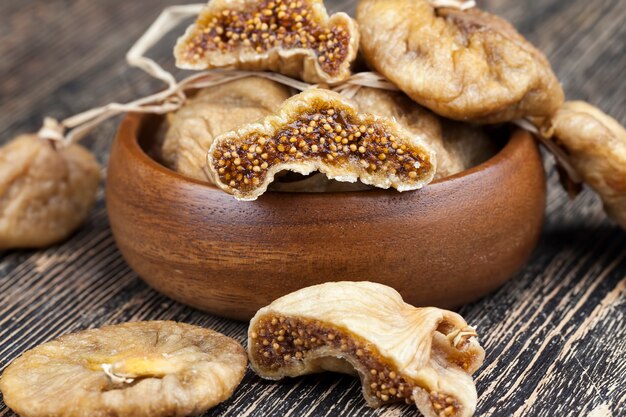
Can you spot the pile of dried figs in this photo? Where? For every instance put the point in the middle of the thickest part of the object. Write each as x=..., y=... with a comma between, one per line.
x=456, y=70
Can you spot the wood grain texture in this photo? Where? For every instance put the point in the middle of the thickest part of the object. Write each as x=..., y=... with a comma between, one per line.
x=554, y=334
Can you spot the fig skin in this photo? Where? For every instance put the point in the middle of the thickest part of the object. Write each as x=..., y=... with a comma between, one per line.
x=46, y=192
x=596, y=147
x=139, y=369
x=212, y=112
x=464, y=65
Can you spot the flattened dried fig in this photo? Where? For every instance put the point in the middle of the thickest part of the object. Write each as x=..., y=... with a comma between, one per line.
x=596, y=144
x=320, y=130
x=213, y=111
x=458, y=146
x=465, y=65
x=45, y=193
x=401, y=353
x=140, y=369
x=295, y=38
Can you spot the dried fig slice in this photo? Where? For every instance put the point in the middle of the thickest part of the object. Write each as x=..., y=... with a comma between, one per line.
x=45, y=193
x=139, y=369
x=296, y=38
x=458, y=146
x=320, y=130
x=212, y=112
x=465, y=65
x=401, y=353
x=596, y=144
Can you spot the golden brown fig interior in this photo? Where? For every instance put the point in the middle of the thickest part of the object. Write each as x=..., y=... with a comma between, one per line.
x=319, y=129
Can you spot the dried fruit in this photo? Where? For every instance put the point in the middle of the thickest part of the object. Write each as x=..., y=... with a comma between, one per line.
x=458, y=146
x=45, y=193
x=596, y=145
x=469, y=144
x=295, y=38
x=320, y=130
x=213, y=111
x=465, y=65
x=139, y=369
x=401, y=353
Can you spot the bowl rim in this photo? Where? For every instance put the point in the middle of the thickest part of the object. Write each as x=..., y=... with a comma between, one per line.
x=130, y=127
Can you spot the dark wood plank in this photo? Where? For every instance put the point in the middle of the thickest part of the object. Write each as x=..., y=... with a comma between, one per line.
x=554, y=334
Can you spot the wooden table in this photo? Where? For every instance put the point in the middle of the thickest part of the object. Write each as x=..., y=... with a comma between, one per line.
x=554, y=335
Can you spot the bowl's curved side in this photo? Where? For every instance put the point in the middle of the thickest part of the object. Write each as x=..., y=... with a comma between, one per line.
x=444, y=245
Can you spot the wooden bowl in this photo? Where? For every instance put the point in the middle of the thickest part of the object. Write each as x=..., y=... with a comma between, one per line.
x=445, y=245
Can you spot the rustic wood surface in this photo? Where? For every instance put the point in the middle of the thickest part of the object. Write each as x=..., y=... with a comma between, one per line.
x=554, y=335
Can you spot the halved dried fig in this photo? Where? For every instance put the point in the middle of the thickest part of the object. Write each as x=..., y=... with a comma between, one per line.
x=465, y=65
x=296, y=38
x=139, y=369
x=458, y=146
x=45, y=193
x=401, y=353
x=211, y=112
x=320, y=130
x=596, y=145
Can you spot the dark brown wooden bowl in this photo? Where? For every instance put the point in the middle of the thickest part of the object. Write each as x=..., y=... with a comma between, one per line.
x=445, y=245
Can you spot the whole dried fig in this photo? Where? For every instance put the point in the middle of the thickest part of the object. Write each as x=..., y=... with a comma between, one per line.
x=149, y=369
x=465, y=65
x=596, y=146
x=45, y=193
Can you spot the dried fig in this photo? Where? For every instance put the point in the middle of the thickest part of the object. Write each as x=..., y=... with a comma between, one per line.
x=458, y=146
x=212, y=112
x=465, y=65
x=45, y=192
x=596, y=145
x=401, y=353
x=320, y=130
x=139, y=369
x=296, y=38
x=467, y=143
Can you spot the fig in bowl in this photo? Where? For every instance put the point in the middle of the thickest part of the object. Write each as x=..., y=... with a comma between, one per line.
x=449, y=243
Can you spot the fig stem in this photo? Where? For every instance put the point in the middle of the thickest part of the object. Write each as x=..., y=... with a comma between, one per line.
x=107, y=368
